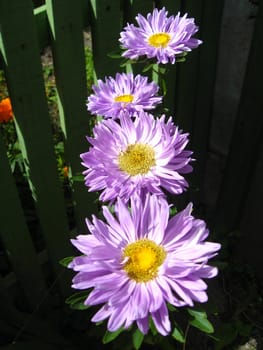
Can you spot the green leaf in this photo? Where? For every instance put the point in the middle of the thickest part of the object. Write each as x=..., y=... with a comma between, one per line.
x=137, y=339
x=197, y=314
x=66, y=261
x=173, y=211
x=76, y=301
x=183, y=54
x=164, y=88
x=178, y=335
x=78, y=178
x=200, y=321
x=126, y=62
x=162, y=70
x=152, y=327
x=110, y=336
x=171, y=307
x=181, y=60
x=114, y=54
x=147, y=67
x=203, y=325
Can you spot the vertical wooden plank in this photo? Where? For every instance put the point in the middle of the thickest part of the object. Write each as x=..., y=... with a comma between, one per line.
x=40, y=15
x=9, y=315
x=106, y=24
x=249, y=245
x=246, y=138
x=187, y=73
x=173, y=7
x=16, y=237
x=86, y=13
x=183, y=85
x=208, y=53
x=19, y=326
x=69, y=63
x=25, y=83
x=132, y=8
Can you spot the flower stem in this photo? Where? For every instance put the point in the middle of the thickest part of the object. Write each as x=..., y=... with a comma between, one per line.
x=185, y=335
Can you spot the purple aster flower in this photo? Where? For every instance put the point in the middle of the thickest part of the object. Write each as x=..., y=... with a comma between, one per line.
x=124, y=93
x=139, y=260
x=136, y=154
x=159, y=36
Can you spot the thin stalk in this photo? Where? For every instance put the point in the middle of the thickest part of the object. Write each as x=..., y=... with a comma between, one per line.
x=185, y=335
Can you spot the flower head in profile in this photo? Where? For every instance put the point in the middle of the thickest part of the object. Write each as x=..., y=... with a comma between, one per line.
x=125, y=93
x=6, y=112
x=159, y=36
x=139, y=260
x=140, y=154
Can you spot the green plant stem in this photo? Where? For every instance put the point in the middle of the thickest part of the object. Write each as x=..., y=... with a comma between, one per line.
x=185, y=335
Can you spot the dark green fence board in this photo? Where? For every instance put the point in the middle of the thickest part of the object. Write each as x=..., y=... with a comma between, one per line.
x=208, y=53
x=28, y=331
x=69, y=64
x=26, y=88
x=86, y=13
x=182, y=103
x=10, y=318
x=173, y=7
x=249, y=245
x=244, y=148
x=16, y=237
x=105, y=36
x=40, y=15
x=187, y=73
x=43, y=32
x=132, y=8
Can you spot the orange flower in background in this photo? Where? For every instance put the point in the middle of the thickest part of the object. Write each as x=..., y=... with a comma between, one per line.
x=65, y=171
x=6, y=112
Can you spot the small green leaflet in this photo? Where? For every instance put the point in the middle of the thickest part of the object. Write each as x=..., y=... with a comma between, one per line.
x=171, y=307
x=200, y=321
x=164, y=88
x=110, y=336
x=178, y=335
x=137, y=339
x=153, y=328
x=183, y=54
x=148, y=67
x=128, y=61
x=180, y=60
x=173, y=210
x=76, y=301
x=116, y=54
x=181, y=57
x=77, y=178
x=66, y=261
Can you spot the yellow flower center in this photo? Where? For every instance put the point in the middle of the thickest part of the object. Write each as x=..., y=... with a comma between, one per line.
x=124, y=98
x=144, y=259
x=159, y=40
x=137, y=159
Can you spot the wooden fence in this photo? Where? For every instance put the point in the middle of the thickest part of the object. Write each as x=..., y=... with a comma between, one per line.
x=32, y=275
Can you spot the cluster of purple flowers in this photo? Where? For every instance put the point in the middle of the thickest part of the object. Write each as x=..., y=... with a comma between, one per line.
x=139, y=259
